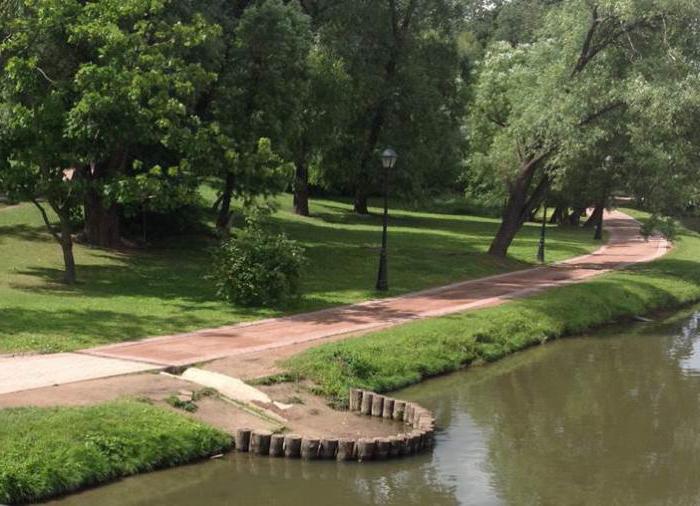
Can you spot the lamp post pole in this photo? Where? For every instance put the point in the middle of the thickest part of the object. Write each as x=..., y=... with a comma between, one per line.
x=607, y=166
x=389, y=158
x=543, y=234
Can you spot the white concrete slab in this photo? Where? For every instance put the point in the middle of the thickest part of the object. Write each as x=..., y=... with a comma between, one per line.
x=36, y=371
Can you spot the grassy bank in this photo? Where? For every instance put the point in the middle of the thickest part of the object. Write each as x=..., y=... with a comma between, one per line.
x=405, y=355
x=47, y=452
x=122, y=296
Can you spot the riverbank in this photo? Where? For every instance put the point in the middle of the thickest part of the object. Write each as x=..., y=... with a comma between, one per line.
x=413, y=352
x=52, y=451
x=391, y=359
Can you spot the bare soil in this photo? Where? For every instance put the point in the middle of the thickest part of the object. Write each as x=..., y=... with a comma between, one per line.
x=309, y=414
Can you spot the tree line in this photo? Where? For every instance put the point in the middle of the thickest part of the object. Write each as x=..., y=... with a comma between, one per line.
x=111, y=108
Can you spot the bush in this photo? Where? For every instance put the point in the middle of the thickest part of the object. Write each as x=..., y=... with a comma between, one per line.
x=257, y=268
x=666, y=226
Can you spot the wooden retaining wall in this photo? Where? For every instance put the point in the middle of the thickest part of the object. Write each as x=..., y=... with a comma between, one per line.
x=418, y=436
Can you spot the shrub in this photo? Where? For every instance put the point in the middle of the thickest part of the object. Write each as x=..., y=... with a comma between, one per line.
x=258, y=268
x=666, y=226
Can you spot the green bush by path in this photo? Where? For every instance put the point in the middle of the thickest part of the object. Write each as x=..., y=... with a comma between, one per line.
x=404, y=355
x=48, y=452
x=130, y=295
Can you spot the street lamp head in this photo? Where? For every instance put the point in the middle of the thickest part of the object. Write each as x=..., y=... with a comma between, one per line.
x=608, y=160
x=389, y=158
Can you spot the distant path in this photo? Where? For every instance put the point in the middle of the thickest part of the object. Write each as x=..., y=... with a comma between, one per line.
x=625, y=247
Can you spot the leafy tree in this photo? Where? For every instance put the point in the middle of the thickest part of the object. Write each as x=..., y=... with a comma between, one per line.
x=538, y=104
x=406, y=89
x=259, y=95
x=96, y=101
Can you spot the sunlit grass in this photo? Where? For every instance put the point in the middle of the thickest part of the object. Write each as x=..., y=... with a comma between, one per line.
x=404, y=355
x=123, y=296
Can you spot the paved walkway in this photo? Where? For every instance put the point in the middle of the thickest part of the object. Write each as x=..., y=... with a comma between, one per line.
x=624, y=248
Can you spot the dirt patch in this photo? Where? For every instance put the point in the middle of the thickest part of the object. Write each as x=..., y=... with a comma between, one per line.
x=309, y=414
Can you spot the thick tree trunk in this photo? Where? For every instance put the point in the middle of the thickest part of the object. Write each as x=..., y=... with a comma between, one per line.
x=558, y=216
x=360, y=202
x=102, y=226
x=223, y=221
x=518, y=206
x=575, y=216
x=595, y=217
x=301, y=188
x=69, y=276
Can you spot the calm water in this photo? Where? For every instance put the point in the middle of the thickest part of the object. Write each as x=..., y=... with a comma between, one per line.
x=612, y=419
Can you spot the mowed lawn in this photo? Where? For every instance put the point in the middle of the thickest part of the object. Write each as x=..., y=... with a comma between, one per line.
x=126, y=296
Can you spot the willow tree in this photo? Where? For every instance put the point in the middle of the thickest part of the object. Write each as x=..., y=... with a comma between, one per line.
x=537, y=103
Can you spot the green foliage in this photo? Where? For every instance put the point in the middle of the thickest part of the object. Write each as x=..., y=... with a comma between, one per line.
x=404, y=355
x=47, y=452
x=664, y=225
x=258, y=268
x=177, y=403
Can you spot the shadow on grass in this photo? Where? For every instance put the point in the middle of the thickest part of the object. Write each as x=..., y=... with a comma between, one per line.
x=98, y=326
x=24, y=233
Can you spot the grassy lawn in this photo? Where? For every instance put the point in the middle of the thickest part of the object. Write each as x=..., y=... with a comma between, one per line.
x=407, y=354
x=124, y=296
x=47, y=452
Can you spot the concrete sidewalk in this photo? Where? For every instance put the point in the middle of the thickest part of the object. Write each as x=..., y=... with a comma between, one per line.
x=624, y=248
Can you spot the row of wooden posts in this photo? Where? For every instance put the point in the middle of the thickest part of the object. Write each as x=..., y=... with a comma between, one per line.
x=420, y=437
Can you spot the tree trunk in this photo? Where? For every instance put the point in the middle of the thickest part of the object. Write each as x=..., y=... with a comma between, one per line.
x=223, y=221
x=69, y=277
x=575, y=216
x=558, y=216
x=301, y=188
x=360, y=203
x=518, y=206
x=101, y=222
x=595, y=217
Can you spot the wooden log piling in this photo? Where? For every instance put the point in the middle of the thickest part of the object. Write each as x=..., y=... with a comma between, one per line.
x=277, y=445
x=242, y=439
x=346, y=450
x=365, y=449
x=366, y=405
x=260, y=442
x=388, y=411
x=328, y=448
x=309, y=448
x=292, y=446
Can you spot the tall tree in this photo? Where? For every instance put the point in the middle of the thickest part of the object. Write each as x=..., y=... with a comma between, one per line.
x=96, y=99
x=401, y=92
x=260, y=95
x=537, y=102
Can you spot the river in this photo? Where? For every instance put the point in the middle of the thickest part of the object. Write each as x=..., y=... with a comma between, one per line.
x=608, y=419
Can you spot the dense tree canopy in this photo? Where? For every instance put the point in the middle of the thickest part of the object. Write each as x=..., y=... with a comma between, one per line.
x=111, y=108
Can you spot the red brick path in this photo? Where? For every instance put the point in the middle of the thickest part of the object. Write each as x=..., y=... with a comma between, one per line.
x=625, y=247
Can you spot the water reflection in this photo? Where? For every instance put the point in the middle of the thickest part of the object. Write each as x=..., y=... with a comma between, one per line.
x=606, y=420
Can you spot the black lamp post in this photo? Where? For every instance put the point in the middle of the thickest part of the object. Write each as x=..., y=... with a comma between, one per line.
x=607, y=166
x=543, y=233
x=389, y=158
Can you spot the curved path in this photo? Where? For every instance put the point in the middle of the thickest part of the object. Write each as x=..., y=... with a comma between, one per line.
x=625, y=247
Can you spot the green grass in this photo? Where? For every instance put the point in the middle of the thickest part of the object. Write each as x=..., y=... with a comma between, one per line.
x=48, y=452
x=124, y=296
x=407, y=354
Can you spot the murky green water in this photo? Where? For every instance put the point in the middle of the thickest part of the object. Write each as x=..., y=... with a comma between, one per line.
x=612, y=419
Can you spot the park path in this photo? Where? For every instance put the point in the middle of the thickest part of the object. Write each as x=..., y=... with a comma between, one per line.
x=625, y=247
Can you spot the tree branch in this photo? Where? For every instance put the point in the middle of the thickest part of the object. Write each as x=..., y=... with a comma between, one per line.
x=601, y=112
x=46, y=220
